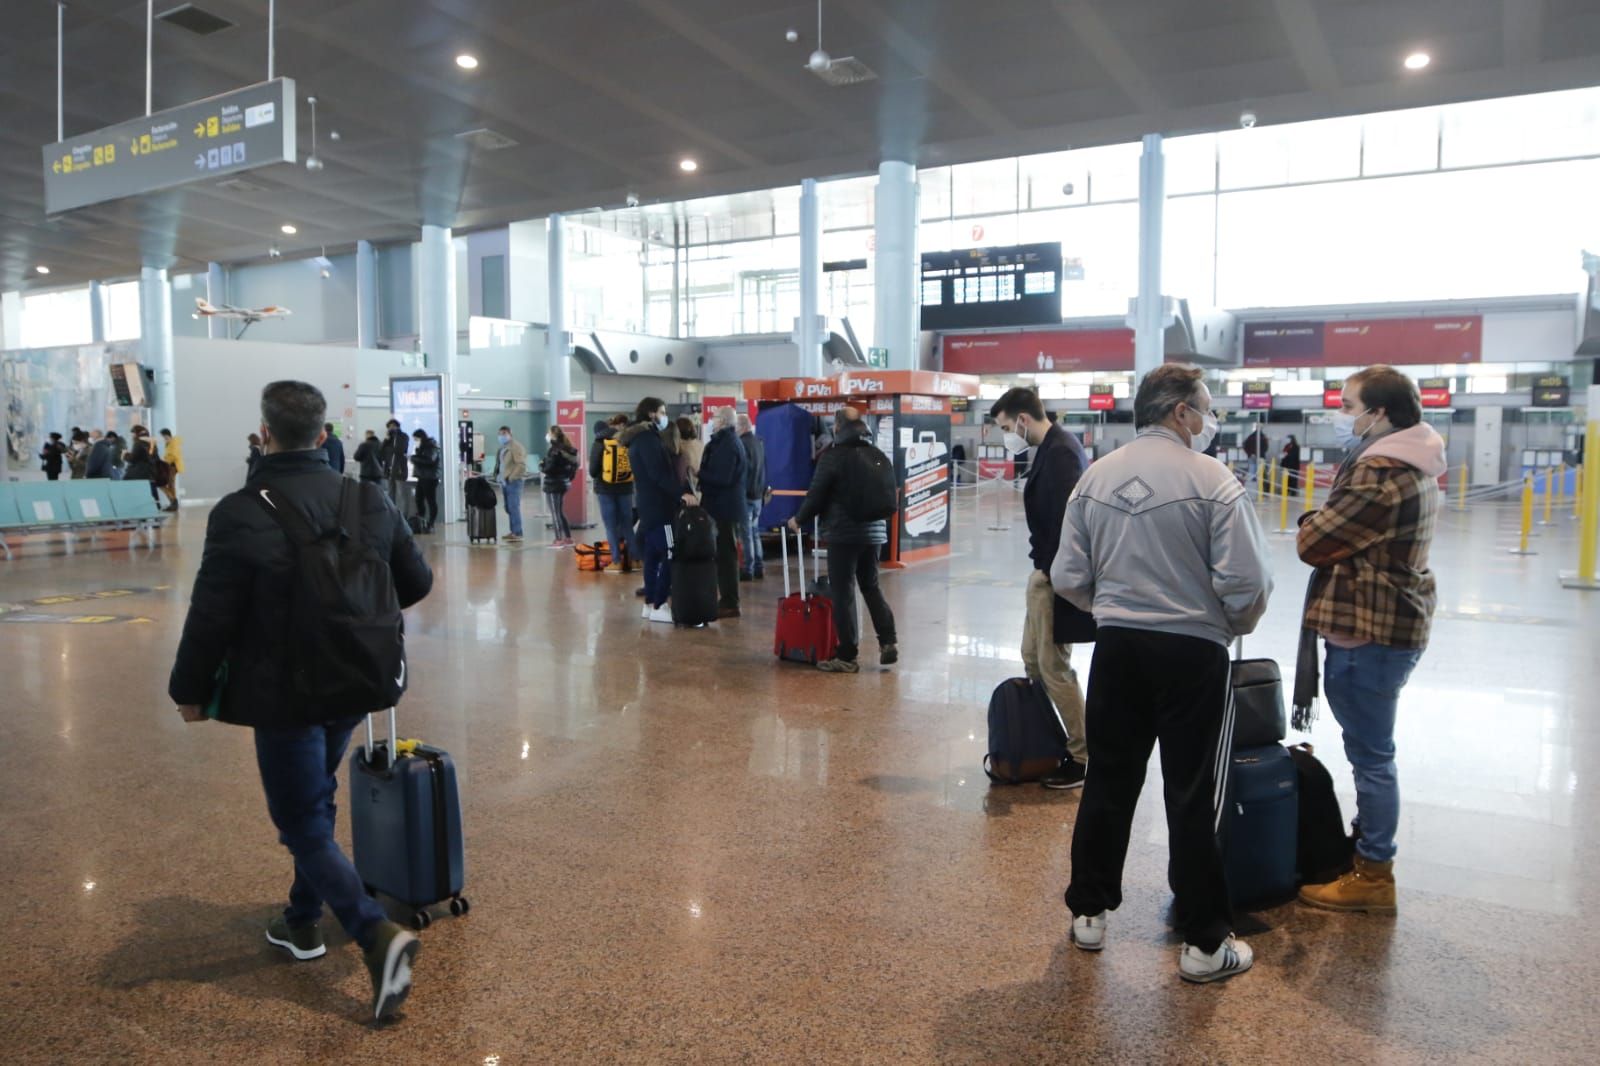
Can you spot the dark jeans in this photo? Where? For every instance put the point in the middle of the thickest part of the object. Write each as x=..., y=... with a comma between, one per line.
x=728, y=563
x=849, y=566
x=428, y=500
x=616, y=514
x=300, y=774
x=1144, y=687
x=657, y=568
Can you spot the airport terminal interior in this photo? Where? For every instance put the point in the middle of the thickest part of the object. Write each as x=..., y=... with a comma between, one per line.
x=487, y=224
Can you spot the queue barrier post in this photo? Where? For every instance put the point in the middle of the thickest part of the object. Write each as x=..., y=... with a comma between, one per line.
x=1461, y=489
x=1527, y=518
x=1308, y=484
x=1549, y=488
x=1577, y=493
x=1589, y=490
x=1283, y=503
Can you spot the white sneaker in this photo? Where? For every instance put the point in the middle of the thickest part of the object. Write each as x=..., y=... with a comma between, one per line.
x=1089, y=931
x=645, y=612
x=661, y=614
x=1233, y=956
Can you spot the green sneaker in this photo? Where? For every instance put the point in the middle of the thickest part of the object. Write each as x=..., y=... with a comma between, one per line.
x=304, y=942
x=839, y=666
x=389, y=961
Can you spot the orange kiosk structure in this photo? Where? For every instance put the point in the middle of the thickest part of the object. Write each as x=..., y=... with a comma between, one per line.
x=909, y=413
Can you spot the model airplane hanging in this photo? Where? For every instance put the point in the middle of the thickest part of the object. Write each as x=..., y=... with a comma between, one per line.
x=248, y=315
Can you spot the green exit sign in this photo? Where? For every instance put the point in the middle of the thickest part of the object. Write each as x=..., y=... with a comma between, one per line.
x=878, y=358
x=511, y=405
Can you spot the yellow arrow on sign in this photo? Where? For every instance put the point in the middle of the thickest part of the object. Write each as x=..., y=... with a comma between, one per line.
x=199, y=129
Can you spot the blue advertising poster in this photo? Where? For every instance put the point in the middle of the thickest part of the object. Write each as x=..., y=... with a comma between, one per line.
x=418, y=403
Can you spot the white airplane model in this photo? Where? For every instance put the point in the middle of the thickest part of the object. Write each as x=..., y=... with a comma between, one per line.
x=248, y=315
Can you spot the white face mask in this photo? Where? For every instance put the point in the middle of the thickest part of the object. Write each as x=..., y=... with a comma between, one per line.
x=1344, y=429
x=661, y=421
x=1208, y=432
x=1014, y=441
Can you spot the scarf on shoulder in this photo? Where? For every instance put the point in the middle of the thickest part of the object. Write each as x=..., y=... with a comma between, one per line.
x=1307, y=669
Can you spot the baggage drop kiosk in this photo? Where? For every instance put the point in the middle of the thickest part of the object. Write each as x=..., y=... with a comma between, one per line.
x=908, y=413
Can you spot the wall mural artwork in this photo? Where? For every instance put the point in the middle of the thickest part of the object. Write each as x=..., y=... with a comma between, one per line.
x=53, y=389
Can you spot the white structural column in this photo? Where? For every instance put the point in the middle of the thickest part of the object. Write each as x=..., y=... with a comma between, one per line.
x=1149, y=325
x=558, y=346
x=894, y=272
x=367, y=298
x=155, y=342
x=216, y=295
x=809, y=329
x=436, y=323
x=97, y=312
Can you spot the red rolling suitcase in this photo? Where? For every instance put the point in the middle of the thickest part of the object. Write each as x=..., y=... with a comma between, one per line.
x=805, y=622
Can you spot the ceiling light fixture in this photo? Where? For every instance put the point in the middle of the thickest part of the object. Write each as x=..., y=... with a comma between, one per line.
x=313, y=161
x=1418, y=60
x=467, y=61
x=688, y=166
x=290, y=229
x=41, y=269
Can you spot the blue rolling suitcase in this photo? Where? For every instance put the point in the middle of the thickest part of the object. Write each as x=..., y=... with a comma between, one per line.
x=405, y=818
x=1261, y=826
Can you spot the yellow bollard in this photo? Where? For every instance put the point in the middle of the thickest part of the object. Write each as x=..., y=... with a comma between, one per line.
x=1589, y=490
x=1461, y=489
x=1283, y=504
x=1561, y=487
x=1308, y=485
x=1527, y=518
x=1261, y=480
x=1549, y=487
x=1273, y=479
x=1577, y=493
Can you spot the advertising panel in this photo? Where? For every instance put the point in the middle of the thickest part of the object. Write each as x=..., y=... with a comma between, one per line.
x=1038, y=351
x=1333, y=395
x=1101, y=398
x=575, y=504
x=418, y=403
x=922, y=460
x=1258, y=395
x=1435, y=392
x=1361, y=342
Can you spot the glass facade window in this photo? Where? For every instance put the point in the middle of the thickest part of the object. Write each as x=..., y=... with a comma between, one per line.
x=54, y=319
x=121, y=307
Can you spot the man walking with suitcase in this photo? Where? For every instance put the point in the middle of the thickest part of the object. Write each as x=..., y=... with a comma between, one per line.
x=846, y=472
x=1162, y=546
x=1050, y=625
x=255, y=639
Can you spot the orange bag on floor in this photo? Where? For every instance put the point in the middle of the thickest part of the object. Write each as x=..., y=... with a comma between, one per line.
x=593, y=557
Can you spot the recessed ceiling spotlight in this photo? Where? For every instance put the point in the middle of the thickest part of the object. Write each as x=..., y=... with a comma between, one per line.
x=467, y=61
x=41, y=269
x=1418, y=60
x=688, y=166
x=289, y=228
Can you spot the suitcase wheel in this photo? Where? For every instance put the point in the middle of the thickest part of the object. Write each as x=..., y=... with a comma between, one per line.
x=459, y=906
x=421, y=920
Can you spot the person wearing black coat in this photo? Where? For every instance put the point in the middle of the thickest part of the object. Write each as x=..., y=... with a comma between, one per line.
x=556, y=471
x=141, y=465
x=1291, y=464
x=239, y=654
x=333, y=447
x=101, y=454
x=425, y=462
x=853, y=545
x=392, y=457
x=368, y=460
x=1051, y=625
x=252, y=457
x=52, y=456
x=657, y=493
x=755, y=496
x=722, y=487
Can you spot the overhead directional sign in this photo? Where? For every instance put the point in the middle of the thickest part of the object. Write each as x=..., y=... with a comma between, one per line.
x=247, y=128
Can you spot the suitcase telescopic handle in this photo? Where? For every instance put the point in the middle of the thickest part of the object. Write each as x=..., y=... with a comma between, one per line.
x=393, y=739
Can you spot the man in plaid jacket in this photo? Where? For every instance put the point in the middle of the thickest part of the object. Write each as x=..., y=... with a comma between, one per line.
x=1372, y=601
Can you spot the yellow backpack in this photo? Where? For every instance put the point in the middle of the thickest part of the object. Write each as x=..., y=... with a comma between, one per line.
x=614, y=466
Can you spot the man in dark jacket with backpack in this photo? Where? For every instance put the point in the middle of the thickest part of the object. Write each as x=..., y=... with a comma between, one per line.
x=613, y=487
x=253, y=639
x=847, y=490
x=722, y=488
x=657, y=493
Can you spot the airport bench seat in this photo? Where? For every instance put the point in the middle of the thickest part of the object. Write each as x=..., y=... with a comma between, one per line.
x=96, y=505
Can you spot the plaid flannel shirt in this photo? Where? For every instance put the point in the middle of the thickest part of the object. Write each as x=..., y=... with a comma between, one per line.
x=1370, y=547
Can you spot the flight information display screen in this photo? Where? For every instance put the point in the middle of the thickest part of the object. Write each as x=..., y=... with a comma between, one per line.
x=972, y=288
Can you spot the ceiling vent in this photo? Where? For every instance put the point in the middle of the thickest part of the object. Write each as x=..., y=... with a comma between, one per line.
x=240, y=185
x=846, y=70
x=196, y=20
x=486, y=140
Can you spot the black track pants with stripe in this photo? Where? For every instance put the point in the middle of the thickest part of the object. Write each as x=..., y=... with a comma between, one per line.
x=1146, y=687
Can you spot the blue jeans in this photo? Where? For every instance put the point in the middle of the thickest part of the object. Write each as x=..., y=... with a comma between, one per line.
x=513, y=494
x=657, y=568
x=1363, y=688
x=616, y=514
x=751, y=534
x=300, y=774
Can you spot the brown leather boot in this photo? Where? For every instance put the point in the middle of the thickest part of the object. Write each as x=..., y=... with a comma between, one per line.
x=1369, y=888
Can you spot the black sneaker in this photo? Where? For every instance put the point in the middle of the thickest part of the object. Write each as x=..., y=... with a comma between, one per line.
x=889, y=654
x=639, y=591
x=389, y=961
x=1068, y=775
x=304, y=942
x=747, y=577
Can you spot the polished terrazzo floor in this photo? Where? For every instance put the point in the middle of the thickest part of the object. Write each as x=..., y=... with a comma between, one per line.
x=681, y=851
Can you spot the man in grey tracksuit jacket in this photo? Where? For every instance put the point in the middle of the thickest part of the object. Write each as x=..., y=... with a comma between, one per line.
x=1162, y=545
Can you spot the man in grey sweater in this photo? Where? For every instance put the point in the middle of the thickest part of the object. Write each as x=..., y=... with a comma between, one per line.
x=1161, y=544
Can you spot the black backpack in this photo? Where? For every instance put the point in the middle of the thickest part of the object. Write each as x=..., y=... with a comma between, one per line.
x=873, y=494
x=1324, y=849
x=480, y=494
x=348, y=651
x=1026, y=738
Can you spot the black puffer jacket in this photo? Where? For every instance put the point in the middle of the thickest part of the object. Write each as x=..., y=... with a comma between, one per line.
x=239, y=609
x=557, y=468
x=831, y=487
x=141, y=462
x=425, y=460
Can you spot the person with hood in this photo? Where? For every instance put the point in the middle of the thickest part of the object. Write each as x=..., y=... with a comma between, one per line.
x=755, y=497
x=722, y=487
x=1371, y=600
x=613, y=487
x=425, y=464
x=853, y=545
x=658, y=490
x=52, y=456
x=368, y=457
x=556, y=470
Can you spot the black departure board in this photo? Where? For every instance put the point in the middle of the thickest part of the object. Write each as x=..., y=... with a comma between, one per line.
x=972, y=288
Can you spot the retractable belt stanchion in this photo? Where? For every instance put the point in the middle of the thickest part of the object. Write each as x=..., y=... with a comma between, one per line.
x=1527, y=518
x=1589, y=490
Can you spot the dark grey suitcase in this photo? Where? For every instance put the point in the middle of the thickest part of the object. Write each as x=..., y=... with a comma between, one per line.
x=694, y=592
x=405, y=822
x=481, y=524
x=1259, y=716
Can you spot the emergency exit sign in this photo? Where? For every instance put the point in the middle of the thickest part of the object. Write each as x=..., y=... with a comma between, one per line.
x=878, y=358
